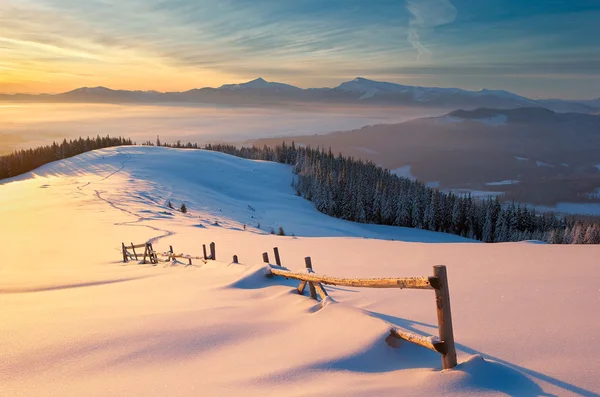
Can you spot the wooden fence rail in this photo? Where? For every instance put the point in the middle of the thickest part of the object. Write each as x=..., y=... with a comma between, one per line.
x=410, y=282
x=444, y=344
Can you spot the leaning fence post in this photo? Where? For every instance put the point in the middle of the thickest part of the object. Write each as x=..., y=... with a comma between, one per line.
x=266, y=257
x=171, y=251
x=277, y=259
x=204, y=250
x=442, y=299
x=134, y=253
x=311, y=287
x=124, y=252
x=153, y=256
x=213, y=254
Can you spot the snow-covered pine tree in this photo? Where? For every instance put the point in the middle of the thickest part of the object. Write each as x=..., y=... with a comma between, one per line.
x=578, y=234
x=488, y=225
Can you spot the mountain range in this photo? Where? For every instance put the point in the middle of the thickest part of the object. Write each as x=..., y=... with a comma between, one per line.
x=358, y=91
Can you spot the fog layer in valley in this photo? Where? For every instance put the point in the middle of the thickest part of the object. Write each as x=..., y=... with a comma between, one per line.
x=28, y=125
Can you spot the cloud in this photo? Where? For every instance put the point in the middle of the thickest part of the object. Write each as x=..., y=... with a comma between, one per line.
x=427, y=14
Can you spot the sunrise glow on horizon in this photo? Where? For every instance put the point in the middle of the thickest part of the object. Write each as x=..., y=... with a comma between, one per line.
x=536, y=48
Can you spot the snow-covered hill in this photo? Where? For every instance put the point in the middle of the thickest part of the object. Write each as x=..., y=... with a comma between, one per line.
x=77, y=321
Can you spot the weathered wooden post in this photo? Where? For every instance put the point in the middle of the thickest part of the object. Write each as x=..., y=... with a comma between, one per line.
x=171, y=251
x=124, y=250
x=277, y=259
x=134, y=253
x=145, y=253
x=311, y=287
x=442, y=300
x=204, y=250
x=235, y=259
x=266, y=257
x=153, y=256
x=213, y=254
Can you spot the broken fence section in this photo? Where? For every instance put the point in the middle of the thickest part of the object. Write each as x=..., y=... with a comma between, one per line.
x=444, y=344
x=151, y=256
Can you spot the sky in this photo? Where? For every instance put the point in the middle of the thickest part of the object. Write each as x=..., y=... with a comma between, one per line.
x=537, y=48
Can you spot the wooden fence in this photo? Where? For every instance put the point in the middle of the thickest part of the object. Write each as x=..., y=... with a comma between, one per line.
x=438, y=282
x=129, y=253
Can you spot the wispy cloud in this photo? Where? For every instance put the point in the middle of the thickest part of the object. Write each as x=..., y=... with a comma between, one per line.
x=427, y=14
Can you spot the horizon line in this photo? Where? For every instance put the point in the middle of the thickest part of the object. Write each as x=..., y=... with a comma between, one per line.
x=272, y=81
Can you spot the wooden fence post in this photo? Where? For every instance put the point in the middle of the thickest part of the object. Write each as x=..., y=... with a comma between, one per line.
x=235, y=259
x=311, y=287
x=171, y=251
x=277, y=258
x=153, y=257
x=145, y=253
x=266, y=257
x=124, y=252
x=204, y=250
x=442, y=299
x=213, y=254
x=134, y=253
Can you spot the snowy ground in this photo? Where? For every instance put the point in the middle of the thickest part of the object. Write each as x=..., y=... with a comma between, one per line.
x=76, y=321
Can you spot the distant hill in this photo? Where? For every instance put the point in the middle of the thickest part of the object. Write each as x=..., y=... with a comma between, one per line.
x=357, y=91
x=533, y=155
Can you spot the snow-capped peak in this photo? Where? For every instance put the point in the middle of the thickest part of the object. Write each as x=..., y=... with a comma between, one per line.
x=370, y=88
x=259, y=83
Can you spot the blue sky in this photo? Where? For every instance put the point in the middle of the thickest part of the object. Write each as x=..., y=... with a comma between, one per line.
x=538, y=48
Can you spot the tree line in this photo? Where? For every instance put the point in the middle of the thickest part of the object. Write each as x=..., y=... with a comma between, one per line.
x=22, y=161
x=360, y=191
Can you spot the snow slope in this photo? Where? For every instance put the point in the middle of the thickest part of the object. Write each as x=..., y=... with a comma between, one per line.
x=76, y=321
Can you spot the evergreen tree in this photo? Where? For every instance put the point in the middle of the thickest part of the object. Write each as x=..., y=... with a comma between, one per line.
x=361, y=191
x=592, y=235
x=578, y=234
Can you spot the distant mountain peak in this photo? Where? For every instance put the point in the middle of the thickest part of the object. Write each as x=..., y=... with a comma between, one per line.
x=259, y=83
x=91, y=89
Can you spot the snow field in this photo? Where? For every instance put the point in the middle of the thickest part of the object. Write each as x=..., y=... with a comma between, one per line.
x=75, y=320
